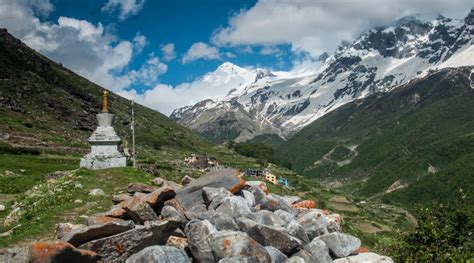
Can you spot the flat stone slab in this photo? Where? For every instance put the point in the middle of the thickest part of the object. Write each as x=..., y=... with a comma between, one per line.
x=191, y=195
x=85, y=234
x=118, y=248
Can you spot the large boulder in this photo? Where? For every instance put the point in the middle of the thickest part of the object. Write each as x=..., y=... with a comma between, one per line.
x=59, y=251
x=365, y=257
x=191, y=194
x=159, y=254
x=285, y=216
x=274, y=202
x=259, y=195
x=169, y=211
x=314, y=223
x=341, y=245
x=222, y=221
x=199, y=241
x=334, y=222
x=179, y=242
x=301, y=256
x=84, y=234
x=213, y=196
x=296, y=230
x=266, y=217
x=248, y=196
x=269, y=236
x=100, y=219
x=227, y=244
x=120, y=198
x=158, y=197
x=292, y=199
x=234, y=206
x=318, y=250
x=245, y=224
x=118, y=248
x=141, y=188
x=276, y=255
x=139, y=210
x=186, y=180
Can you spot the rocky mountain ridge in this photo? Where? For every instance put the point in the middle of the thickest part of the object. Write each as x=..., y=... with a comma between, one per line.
x=378, y=61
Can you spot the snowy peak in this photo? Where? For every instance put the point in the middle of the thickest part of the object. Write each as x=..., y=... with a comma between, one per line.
x=378, y=61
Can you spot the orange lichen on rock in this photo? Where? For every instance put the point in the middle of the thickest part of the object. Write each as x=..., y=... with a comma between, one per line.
x=116, y=211
x=106, y=219
x=42, y=252
x=226, y=244
x=308, y=204
x=362, y=250
x=234, y=189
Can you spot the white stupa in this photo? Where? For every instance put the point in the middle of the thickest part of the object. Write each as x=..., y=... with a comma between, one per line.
x=104, y=143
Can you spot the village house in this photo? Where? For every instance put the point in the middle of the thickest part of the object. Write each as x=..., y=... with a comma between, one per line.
x=283, y=181
x=201, y=162
x=271, y=178
x=258, y=173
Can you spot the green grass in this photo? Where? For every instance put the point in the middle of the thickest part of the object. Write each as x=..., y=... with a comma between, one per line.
x=54, y=201
x=35, y=170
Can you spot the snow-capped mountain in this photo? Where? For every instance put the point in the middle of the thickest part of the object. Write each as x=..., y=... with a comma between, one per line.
x=378, y=61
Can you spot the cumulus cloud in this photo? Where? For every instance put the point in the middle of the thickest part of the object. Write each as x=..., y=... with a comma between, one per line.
x=318, y=26
x=85, y=48
x=168, y=51
x=125, y=8
x=200, y=50
x=149, y=72
x=139, y=42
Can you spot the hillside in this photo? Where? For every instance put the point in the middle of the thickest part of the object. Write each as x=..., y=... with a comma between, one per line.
x=49, y=108
x=46, y=115
x=282, y=103
x=414, y=145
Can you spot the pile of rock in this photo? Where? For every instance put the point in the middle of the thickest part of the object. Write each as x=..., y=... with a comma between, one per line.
x=216, y=218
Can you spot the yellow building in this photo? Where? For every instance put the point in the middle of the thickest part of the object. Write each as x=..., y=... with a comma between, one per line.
x=271, y=178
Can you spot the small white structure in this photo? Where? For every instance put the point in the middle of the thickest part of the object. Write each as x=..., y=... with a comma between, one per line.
x=104, y=143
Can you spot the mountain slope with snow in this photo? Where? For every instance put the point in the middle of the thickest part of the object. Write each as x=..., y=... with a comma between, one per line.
x=378, y=61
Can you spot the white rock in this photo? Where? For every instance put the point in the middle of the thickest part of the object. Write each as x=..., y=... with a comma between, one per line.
x=2, y=208
x=97, y=192
x=365, y=258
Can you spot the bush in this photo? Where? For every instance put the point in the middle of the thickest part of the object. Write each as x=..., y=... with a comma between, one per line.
x=262, y=152
x=444, y=234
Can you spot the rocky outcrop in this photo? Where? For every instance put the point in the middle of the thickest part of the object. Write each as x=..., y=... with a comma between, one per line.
x=226, y=224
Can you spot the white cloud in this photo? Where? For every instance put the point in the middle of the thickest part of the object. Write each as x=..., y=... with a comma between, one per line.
x=85, y=48
x=318, y=26
x=200, y=50
x=149, y=72
x=168, y=51
x=126, y=7
x=270, y=50
x=166, y=98
x=139, y=41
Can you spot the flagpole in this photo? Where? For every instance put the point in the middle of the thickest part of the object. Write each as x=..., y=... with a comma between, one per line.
x=133, y=136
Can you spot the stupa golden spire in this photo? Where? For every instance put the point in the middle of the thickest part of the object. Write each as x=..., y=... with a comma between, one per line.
x=104, y=101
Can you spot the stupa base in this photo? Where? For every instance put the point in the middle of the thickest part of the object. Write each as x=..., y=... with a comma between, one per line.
x=97, y=163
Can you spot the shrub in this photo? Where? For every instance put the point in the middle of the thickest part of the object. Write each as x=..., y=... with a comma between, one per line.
x=444, y=234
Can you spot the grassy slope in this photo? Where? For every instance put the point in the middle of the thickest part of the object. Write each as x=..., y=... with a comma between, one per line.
x=397, y=140
x=46, y=106
x=272, y=140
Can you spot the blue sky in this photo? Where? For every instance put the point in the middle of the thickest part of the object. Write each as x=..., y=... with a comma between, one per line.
x=166, y=21
x=157, y=51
